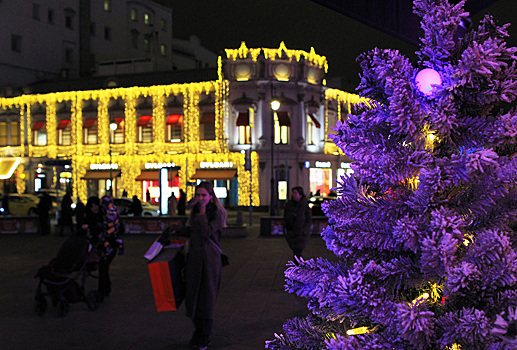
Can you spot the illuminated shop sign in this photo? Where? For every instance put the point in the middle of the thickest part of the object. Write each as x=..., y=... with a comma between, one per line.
x=216, y=164
x=103, y=166
x=159, y=165
x=345, y=165
x=322, y=164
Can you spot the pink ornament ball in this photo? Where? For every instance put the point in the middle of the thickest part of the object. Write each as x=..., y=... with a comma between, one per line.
x=427, y=77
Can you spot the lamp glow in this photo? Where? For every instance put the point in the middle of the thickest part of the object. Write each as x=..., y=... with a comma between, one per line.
x=275, y=105
x=356, y=331
x=426, y=78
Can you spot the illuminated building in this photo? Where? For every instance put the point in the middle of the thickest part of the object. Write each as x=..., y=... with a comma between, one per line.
x=214, y=130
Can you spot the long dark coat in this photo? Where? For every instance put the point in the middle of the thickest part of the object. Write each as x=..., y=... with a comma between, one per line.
x=297, y=223
x=203, y=269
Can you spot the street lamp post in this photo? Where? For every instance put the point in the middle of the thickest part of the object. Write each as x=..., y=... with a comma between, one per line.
x=113, y=127
x=275, y=105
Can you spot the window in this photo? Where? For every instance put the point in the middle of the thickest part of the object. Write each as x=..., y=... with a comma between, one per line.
x=163, y=25
x=69, y=18
x=39, y=133
x=147, y=19
x=69, y=55
x=134, y=38
x=15, y=133
x=107, y=5
x=117, y=135
x=90, y=131
x=3, y=134
x=207, y=126
x=107, y=33
x=145, y=129
x=174, y=129
x=147, y=42
x=163, y=50
x=93, y=28
x=282, y=128
x=50, y=16
x=64, y=133
x=312, y=123
x=36, y=12
x=16, y=43
x=244, y=125
x=134, y=15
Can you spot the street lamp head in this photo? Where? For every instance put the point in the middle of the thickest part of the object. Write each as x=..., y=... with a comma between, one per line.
x=113, y=126
x=275, y=105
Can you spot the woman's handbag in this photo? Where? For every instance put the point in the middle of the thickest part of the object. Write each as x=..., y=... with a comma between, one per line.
x=224, y=258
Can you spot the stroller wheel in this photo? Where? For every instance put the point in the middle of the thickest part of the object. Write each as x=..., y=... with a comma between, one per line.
x=61, y=308
x=40, y=305
x=92, y=299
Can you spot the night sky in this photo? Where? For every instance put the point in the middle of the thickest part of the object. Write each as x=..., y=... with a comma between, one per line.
x=301, y=24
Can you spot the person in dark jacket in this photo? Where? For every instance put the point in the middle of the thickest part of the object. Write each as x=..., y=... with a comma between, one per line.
x=136, y=207
x=297, y=221
x=80, y=214
x=203, y=268
x=43, y=210
x=182, y=203
x=65, y=216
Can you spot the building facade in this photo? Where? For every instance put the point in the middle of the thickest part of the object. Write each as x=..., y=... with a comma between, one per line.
x=224, y=131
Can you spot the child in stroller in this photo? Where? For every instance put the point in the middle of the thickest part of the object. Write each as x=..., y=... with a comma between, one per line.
x=76, y=259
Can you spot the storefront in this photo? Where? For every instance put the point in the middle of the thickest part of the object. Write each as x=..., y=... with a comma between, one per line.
x=320, y=178
x=150, y=181
x=224, y=178
x=99, y=179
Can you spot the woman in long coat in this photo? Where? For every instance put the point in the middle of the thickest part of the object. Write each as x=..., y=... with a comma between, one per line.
x=204, y=267
x=297, y=221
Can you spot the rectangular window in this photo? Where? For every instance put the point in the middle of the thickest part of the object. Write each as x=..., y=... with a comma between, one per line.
x=163, y=50
x=174, y=128
x=69, y=55
x=312, y=123
x=3, y=134
x=207, y=126
x=145, y=129
x=39, y=134
x=282, y=128
x=90, y=131
x=36, y=12
x=243, y=123
x=134, y=15
x=163, y=25
x=64, y=137
x=107, y=33
x=147, y=43
x=16, y=43
x=93, y=28
x=117, y=136
x=69, y=22
x=15, y=133
x=147, y=19
x=107, y=5
x=50, y=16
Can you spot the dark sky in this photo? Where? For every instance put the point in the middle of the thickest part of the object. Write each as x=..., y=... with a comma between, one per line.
x=301, y=24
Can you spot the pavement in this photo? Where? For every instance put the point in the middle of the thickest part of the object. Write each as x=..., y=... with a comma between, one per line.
x=252, y=304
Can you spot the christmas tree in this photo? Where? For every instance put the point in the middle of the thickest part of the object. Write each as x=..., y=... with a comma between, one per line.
x=424, y=230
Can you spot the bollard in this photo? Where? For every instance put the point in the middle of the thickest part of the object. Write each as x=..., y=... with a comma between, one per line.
x=240, y=219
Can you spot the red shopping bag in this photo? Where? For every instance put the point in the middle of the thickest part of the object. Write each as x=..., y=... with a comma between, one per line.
x=166, y=272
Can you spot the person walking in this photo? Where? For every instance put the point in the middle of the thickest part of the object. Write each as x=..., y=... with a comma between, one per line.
x=203, y=267
x=173, y=203
x=297, y=221
x=182, y=203
x=66, y=214
x=80, y=214
x=43, y=209
x=136, y=207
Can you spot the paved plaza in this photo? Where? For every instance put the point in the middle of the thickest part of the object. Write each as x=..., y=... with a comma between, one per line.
x=252, y=304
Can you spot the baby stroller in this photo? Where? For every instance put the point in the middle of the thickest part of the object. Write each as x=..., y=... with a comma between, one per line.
x=76, y=260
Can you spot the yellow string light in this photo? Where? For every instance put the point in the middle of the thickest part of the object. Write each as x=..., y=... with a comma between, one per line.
x=357, y=331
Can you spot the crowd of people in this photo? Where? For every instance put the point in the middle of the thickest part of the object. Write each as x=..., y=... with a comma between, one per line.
x=99, y=221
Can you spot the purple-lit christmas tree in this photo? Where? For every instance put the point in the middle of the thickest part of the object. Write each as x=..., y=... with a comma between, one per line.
x=425, y=229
